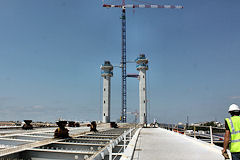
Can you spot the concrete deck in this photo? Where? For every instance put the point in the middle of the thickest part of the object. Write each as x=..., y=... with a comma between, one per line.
x=157, y=143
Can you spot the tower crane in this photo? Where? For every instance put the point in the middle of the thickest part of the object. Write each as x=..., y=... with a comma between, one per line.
x=123, y=63
x=136, y=114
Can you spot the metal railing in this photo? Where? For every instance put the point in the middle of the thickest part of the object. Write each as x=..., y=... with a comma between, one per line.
x=108, y=149
x=213, y=135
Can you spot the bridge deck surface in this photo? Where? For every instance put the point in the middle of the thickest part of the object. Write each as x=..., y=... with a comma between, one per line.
x=157, y=143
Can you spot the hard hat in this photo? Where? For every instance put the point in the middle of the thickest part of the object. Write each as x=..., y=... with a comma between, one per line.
x=233, y=107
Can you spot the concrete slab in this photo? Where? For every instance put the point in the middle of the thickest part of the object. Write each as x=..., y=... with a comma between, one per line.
x=157, y=143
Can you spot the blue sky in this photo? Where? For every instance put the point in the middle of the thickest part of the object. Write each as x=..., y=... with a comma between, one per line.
x=51, y=51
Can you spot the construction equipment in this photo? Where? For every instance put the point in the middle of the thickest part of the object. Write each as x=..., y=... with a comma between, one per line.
x=77, y=124
x=113, y=125
x=71, y=124
x=93, y=126
x=123, y=65
x=154, y=124
x=61, y=131
x=27, y=125
x=136, y=115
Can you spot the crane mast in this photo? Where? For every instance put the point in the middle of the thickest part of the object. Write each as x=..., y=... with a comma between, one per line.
x=124, y=67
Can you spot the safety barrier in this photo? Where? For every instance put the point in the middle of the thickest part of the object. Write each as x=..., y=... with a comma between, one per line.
x=128, y=154
x=108, y=149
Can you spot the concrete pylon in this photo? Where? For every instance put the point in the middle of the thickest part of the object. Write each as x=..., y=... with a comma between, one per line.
x=142, y=66
x=106, y=74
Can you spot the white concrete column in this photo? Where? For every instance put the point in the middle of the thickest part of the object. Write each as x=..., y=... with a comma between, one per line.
x=142, y=66
x=106, y=99
x=106, y=74
x=142, y=96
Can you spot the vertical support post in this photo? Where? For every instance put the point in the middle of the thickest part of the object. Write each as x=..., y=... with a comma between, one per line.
x=110, y=150
x=211, y=135
x=106, y=74
x=142, y=67
x=194, y=131
x=124, y=140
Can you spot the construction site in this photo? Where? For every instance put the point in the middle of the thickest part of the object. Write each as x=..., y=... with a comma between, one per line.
x=107, y=141
x=144, y=138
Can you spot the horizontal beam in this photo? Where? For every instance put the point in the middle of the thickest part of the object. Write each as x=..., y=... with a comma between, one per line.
x=40, y=154
x=143, y=6
x=62, y=151
x=82, y=144
x=15, y=140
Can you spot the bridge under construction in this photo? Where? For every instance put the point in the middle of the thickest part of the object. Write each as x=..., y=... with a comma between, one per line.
x=127, y=142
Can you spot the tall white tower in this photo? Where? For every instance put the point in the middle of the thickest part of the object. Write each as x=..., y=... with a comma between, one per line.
x=106, y=74
x=142, y=66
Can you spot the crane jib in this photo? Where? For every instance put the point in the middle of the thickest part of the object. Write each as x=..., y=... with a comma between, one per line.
x=143, y=6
